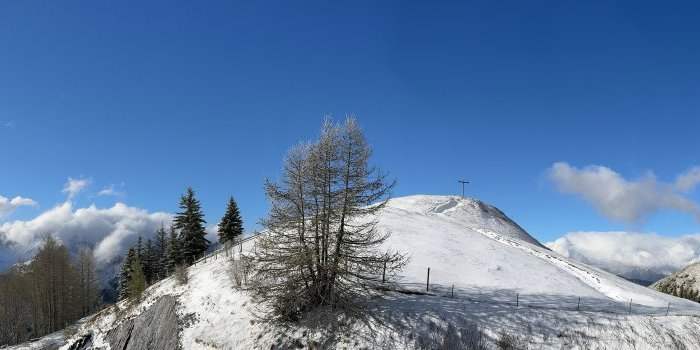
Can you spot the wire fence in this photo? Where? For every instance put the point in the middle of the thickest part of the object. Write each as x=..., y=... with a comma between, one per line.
x=516, y=300
x=502, y=297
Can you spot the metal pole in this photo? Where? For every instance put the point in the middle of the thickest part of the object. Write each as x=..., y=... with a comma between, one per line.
x=668, y=308
x=630, y=311
x=517, y=300
x=463, y=183
x=384, y=273
x=453, y=290
x=427, y=282
x=578, y=307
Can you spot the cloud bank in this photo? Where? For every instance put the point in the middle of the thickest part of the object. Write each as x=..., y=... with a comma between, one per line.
x=628, y=201
x=7, y=206
x=110, y=231
x=633, y=255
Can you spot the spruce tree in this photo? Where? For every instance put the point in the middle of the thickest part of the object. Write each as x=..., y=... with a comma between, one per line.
x=174, y=257
x=231, y=225
x=190, y=222
x=161, y=250
x=137, y=282
x=148, y=262
x=125, y=274
x=139, y=248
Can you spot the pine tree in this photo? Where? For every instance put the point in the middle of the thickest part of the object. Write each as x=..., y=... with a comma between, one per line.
x=125, y=274
x=161, y=249
x=174, y=256
x=231, y=225
x=190, y=222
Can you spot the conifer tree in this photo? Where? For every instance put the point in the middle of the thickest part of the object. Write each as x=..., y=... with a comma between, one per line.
x=231, y=225
x=125, y=274
x=174, y=256
x=190, y=222
x=137, y=282
x=161, y=250
x=148, y=262
x=139, y=248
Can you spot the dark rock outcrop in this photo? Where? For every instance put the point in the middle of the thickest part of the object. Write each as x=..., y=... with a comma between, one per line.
x=155, y=328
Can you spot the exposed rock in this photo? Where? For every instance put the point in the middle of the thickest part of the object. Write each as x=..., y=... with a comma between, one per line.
x=155, y=328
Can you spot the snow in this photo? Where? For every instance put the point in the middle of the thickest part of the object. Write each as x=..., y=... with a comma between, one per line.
x=503, y=279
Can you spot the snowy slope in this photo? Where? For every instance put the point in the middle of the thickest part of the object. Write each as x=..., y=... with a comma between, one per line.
x=504, y=280
x=468, y=243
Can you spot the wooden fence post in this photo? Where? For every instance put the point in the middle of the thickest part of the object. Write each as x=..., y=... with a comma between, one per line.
x=453, y=290
x=578, y=307
x=517, y=300
x=668, y=308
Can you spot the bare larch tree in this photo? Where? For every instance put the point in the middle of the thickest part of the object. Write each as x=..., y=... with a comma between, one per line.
x=322, y=245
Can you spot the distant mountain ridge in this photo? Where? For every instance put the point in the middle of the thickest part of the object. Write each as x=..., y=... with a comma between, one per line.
x=684, y=283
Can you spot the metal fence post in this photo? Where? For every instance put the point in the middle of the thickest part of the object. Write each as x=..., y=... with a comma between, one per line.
x=384, y=272
x=427, y=282
x=630, y=310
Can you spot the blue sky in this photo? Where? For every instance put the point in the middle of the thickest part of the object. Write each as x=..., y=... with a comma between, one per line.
x=156, y=97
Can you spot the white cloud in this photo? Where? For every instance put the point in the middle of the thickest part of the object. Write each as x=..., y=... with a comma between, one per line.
x=7, y=206
x=74, y=186
x=110, y=191
x=687, y=181
x=620, y=199
x=110, y=231
x=633, y=255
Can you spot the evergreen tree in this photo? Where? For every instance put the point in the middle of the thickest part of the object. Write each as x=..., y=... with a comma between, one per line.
x=148, y=262
x=231, y=225
x=174, y=256
x=125, y=274
x=161, y=250
x=139, y=248
x=190, y=222
x=137, y=282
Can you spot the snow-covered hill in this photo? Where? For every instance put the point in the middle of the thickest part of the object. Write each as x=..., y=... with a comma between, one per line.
x=484, y=270
x=467, y=243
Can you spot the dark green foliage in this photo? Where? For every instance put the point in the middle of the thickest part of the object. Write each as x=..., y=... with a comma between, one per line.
x=125, y=274
x=161, y=250
x=231, y=225
x=682, y=291
x=173, y=254
x=148, y=262
x=137, y=280
x=139, y=248
x=190, y=222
